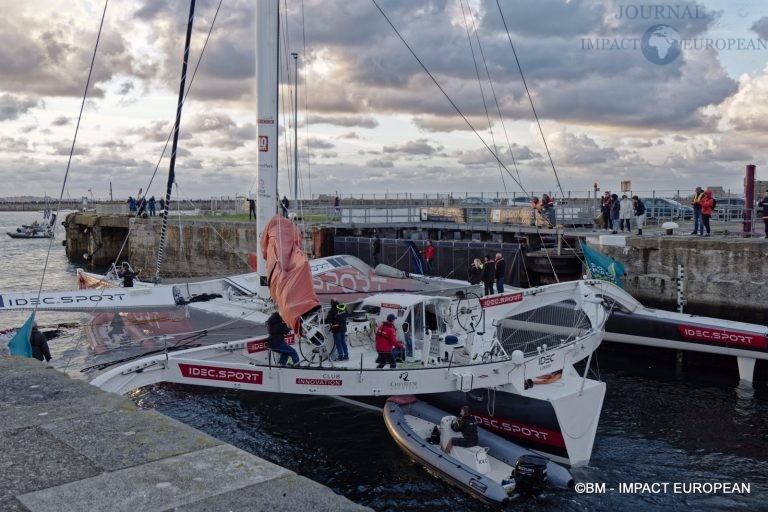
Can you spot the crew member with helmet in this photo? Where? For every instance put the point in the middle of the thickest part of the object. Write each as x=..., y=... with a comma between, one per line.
x=337, y=320
x=386, y=340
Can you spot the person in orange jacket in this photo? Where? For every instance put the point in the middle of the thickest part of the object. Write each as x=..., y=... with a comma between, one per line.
x=386, y=340
x=707, y=205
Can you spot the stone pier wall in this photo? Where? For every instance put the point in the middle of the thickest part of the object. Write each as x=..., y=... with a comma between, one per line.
x=194, y=248
x=719, y=273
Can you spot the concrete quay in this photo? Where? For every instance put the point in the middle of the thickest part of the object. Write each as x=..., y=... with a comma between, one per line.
x=68, y=446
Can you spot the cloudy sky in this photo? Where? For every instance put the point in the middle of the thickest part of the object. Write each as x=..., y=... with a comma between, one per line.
x=371, y=120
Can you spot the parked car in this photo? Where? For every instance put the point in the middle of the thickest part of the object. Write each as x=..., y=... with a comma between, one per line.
x=662, y=208
x=478, y=208
x=479, y=202
x=729, y=208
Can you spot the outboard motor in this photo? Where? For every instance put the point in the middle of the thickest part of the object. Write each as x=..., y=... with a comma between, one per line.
x=530, y=474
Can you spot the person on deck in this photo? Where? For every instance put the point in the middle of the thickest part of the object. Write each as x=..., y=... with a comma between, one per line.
x=284, y=205
x=127, y=274
x=499, y=271
x=465, y=424
x=162, y=204
x=489, y=274
x=277, y=329
x=337, y=320
x=476, y=272
x=386, y=340
x=548, y=210
x=39, y=344
x=151, y=205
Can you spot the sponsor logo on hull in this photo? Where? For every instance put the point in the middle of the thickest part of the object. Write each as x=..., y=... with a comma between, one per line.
x=744, y=339
x=489, y=302
x=521, y=430
x=319, y=382
x=262, y=344
x=11, y=301
x=198, y=371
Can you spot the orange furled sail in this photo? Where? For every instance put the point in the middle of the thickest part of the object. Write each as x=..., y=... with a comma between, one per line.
x=287, y=272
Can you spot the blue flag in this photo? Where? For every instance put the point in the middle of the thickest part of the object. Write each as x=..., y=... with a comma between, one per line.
x=19, y=344
x=416, y=262
x=602, y=266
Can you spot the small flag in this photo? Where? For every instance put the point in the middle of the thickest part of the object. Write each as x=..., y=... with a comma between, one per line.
x=602, y=266
x=19, y=344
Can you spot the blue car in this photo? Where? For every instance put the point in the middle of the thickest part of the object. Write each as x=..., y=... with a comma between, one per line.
x=661, y=208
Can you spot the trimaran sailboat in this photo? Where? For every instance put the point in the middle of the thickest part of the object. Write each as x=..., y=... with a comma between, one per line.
x=480, y=352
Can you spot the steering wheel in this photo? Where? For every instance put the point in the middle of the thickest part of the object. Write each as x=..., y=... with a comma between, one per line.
x=469, y=312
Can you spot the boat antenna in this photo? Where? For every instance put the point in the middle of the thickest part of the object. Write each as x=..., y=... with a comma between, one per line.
x=174, y=147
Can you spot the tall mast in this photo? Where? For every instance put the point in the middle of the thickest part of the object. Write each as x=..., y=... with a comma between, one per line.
x=267, y=33
x=174, y=147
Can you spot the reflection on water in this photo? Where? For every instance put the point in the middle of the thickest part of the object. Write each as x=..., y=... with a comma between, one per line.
x=660, y=423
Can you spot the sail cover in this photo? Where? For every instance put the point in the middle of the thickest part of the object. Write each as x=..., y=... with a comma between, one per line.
x=288, y=273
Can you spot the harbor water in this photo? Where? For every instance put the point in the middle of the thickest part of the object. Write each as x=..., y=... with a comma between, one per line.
x=662, y=423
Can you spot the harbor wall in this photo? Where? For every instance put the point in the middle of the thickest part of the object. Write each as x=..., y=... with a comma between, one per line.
x=730, y=273
x=194, y=248
x=719, y=272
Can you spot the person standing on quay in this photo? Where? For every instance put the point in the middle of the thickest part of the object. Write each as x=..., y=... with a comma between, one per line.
x=615, y=213
x=429, y=255
x=605, y=209
x=764, y=205
x=698, y=222
x=499, y=270
x=639, y=207
x=251, y=209
x=625, y=213
x=39, y=344
x=376, y=250
x=707, y=205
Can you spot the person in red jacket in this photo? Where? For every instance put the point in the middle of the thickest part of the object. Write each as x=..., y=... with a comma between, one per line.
x=386, y=340
x=429, y=255
x=707, y=205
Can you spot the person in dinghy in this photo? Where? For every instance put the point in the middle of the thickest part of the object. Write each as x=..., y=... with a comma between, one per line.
x=467, y=425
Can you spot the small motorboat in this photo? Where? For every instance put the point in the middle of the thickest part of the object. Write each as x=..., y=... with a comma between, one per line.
x=492, y=471
x=33, y=230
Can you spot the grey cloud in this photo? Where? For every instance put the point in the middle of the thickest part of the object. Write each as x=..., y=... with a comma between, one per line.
x=380, y=163
x=13, y=145
x=12, y=107
x=126, y=88
x=316, y=143
x=414, y=147
x=60, y=121
x=760, y=27
x=343, y=120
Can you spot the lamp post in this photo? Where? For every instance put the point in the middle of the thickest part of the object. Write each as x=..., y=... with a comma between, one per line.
x=295, y=128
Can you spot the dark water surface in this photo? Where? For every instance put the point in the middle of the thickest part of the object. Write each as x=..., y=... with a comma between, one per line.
x=661, y=423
